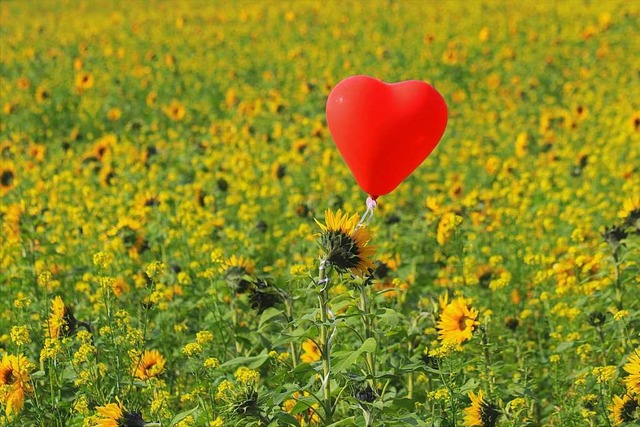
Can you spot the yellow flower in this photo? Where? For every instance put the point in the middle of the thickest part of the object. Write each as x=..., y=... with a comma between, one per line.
x=457, y=322
x=114, y=114
x=175, y=110
x=7, y=178
x=630, y=211
x=346, y=244
x=211, y=363
x=154, y=268
x=111, y=415
x=620, y=314
x=14, y=382
x=235, y=271
x=305, y=418
x=632, y=367
x=311, y=352
x=245, y=375
x=623, y=409
x=151, y=365
x=80, y=405
x=226, y=390
x=240, y=263
x=604, y=374
x=61, y=321
x=115, y=415
x=20, y=335
x=481, y=413
x=84, y=81
x=102, y=260
x=192, y=349
x=446, y=227
x=204, y=337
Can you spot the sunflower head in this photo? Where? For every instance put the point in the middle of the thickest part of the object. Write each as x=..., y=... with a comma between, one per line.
x=61, y=321
x=632, y=380
x=625, y=409
x=457, y=322
x=630, y=212
x=264, y=294
x=151, y=365
x=345, y=244
x=310, y=352
x=481, y=413
x=7, y=178
x=238, y=272
x=115, y=415
x=14, y=382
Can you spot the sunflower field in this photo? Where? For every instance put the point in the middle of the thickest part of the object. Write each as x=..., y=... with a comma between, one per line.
x=181, y=243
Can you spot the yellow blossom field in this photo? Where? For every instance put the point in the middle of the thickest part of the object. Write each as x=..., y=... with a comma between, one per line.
x=182, y=244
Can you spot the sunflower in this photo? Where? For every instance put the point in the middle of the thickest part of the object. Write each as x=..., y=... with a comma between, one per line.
x=306, y=418
x=151, y=365
x=630, y=212
x=61, y=321
x=115, y=415
x=446, y=227
x=7, y=178
x=14, y=382
x=42, y=94
x=130, y=233
x=457, y=322
x=237, y=272
x=263, y=295
x=240, y=263
x=635, y=121
x=632, y=381
x=84, y=81
x=481, y=412
x=624, y=409
x=346, y=244
x=175, y=110
x=311, y=352
x=103, y=147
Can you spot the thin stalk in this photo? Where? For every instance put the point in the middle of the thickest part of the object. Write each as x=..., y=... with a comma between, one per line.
x=410, y=375
x=452, y=400
x=292, y=346
x=323, y=300
x=368, y=333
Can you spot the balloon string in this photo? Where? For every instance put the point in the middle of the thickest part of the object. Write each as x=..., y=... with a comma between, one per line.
x=368, y=215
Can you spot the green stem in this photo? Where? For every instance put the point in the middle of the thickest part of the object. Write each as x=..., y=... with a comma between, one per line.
x=292, y=346
x=368, y=333
x=323, y=299
x=487, y=358
x=365, y=310
x=604, y=406
x=452, y=400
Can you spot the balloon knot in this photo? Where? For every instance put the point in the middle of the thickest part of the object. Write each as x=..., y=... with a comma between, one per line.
x=371, y=202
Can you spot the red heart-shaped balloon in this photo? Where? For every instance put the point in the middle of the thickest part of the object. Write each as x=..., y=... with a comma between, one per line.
x=384, y=131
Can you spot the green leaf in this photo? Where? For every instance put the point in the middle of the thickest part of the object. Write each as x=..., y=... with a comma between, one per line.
x=182, y=415
x=302, y=404
x=564, y=346
x=344, y=422
x=267, y=315
x=37, y=374
x=286, y=419
x=368, y=346
x=468, y=386
x=342, y=360
x=252, y=362
x=405, y=403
